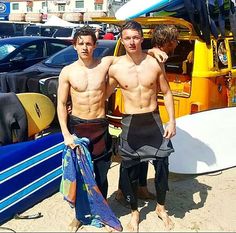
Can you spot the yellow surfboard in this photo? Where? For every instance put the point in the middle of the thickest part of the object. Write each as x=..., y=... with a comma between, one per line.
x=39, y=109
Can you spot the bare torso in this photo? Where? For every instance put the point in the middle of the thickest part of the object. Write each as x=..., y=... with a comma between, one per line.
x=87, y=89
x=138, y=83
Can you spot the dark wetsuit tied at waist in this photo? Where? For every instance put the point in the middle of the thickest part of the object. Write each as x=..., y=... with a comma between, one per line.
x=142, y=137
x=96, y=130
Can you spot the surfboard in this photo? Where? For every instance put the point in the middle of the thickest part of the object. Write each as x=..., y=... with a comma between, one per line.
x=29, y=172
x=136, y=8
x=204, y=142
x=39, y=109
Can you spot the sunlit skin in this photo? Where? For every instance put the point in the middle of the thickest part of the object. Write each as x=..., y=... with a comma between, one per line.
x=141, y=78
x=85, y=82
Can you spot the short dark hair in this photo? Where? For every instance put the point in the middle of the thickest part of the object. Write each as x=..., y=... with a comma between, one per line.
x=164, y=33
x=131, y=24
x=85, y=31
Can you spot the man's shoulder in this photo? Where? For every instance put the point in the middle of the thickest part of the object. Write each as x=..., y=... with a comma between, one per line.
x=68, y=68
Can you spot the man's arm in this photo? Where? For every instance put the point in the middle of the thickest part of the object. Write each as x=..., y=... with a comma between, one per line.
x=111, y=81
x=170, y=130
x=157, y=53
x=111, y=85
x=62, y=113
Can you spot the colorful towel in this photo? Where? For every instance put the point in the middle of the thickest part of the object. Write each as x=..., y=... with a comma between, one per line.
x=79, y=187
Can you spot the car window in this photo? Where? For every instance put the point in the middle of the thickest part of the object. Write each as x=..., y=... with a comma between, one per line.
x=54, y=47
x=6, y=29
x=48, y=32
x=178, y=60
x=64, y=57
x=32, y=31
x=6, y=49
x=69, y=55
x=232, y=46
x=31, y=52
x=100, y=52
x=63, y=32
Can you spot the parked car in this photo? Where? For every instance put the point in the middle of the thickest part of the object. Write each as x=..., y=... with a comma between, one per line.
x=40, y=30
x=10, y=29
x=18, y=53
x=28, y=79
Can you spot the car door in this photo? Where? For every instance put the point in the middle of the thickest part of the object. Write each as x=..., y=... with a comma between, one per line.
x=25, y=56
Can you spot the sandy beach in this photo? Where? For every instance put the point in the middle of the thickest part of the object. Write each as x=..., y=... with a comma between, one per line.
x=195, y=203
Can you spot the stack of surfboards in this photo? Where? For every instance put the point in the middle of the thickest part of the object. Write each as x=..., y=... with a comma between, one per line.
x=30, y=171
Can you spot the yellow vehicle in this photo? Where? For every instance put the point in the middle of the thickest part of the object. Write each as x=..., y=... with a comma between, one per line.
x=201, y=76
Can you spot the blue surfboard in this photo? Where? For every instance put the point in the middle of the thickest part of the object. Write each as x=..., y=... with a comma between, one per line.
x=29, y=172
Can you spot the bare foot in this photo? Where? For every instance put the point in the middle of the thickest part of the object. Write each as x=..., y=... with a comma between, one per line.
x=133, y=225
x=74, y=225
x=162, y=214
x=144, y=194
x=110, y=229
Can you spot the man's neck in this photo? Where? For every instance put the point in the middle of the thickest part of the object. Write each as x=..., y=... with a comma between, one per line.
x=136, y=58
x=88, y=63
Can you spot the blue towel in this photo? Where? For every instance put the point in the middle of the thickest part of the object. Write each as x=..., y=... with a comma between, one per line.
x=79, y=187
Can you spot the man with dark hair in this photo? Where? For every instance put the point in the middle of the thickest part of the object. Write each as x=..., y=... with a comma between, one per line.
x=84, y=81
x=143, y=137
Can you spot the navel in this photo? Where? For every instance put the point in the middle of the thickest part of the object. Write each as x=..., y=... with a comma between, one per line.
x=126, y=86
x=151, y=84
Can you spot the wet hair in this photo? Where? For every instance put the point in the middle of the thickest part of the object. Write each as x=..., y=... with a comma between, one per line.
x=164, y=33
x=131, y=24
x=84, y=31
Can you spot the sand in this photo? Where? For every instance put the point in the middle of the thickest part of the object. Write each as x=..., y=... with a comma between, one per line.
x=195, y=203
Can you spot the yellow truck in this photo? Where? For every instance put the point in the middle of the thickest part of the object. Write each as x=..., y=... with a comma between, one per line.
x=201, y=76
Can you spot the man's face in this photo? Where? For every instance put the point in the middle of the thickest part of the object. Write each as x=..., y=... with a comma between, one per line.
x=172, y=46
x=132, y=40
x=85, y=47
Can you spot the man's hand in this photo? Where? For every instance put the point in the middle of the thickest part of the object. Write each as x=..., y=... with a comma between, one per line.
x=69, y=141
x=160, y=55
x=170, y=130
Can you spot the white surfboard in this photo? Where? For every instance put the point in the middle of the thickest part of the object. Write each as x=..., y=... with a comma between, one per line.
x=136, y=8
x=204, y=142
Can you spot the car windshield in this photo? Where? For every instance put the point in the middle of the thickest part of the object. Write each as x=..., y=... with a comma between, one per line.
x=6, y=49
x=63, y=32
x=69, y=55
x=62, y=58
x=32, y=31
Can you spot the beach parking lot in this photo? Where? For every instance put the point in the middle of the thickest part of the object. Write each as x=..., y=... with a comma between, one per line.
x=200, y=203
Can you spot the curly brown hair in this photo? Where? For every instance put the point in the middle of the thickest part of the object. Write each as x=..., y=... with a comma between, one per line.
x=164, y=33
x=84, y=31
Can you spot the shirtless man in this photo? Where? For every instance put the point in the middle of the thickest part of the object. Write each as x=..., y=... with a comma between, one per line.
x=164, y=37
x=85, y=82
x=143, y=138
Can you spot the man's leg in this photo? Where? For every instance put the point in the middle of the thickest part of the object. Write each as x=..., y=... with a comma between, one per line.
x=119, y=195
x=143, y=192
x=129, y=186
x=161, y=185
x=101, y=168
